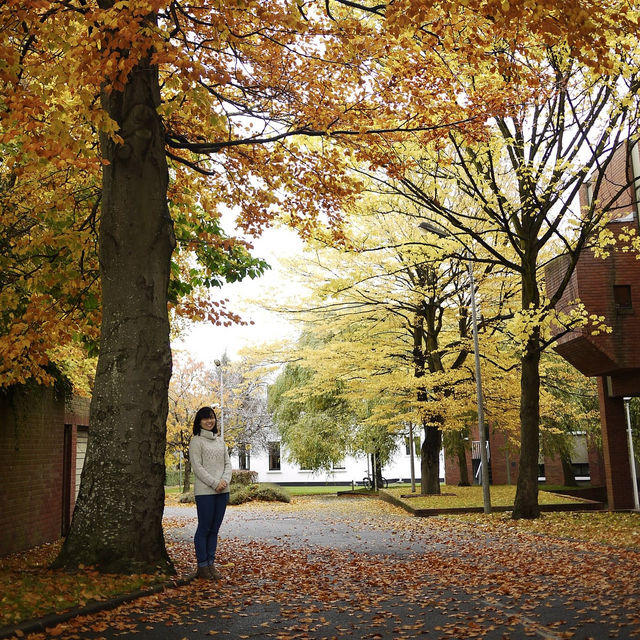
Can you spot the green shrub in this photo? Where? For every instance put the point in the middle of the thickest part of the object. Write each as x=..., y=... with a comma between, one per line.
x=244, y=477
x=239, y=494
x=268, y=493
x=271, y=493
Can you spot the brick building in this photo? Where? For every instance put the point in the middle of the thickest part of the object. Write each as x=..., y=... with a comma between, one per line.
x=586, y=459
x=42, y=444
x=611, y=288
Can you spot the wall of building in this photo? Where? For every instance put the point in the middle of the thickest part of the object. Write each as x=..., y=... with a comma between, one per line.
x=31, y=467
x=504, y=462
x=37, y=465
x=77, y=424
x=352, y=469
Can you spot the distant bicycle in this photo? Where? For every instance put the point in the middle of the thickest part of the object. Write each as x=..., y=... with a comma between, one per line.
x=368, y=483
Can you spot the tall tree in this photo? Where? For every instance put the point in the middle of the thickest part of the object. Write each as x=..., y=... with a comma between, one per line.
x=201, y=85
x=316, y=426
x=524, y=181
x=390, y=319
x=160, y=82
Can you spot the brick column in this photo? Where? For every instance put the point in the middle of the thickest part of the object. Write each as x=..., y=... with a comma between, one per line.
x=615, y=449
x=451, y=470
x=553, y=472
x=596, y=464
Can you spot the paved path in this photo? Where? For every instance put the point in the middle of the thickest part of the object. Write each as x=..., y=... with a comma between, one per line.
x=357, y=568
x=361, y=525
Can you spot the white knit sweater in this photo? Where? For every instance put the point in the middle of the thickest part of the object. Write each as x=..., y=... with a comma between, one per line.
x=210, y=463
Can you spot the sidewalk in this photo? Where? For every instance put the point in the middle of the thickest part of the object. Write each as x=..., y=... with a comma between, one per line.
x=328, y=568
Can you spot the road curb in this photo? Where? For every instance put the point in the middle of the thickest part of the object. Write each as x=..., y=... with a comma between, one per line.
x=53, y=619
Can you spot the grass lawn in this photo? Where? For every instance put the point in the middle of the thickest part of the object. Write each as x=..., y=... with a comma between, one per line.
x=457, y=497
x=314, y=490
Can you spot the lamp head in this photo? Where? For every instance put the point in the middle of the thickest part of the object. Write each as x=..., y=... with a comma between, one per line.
x=428, y=227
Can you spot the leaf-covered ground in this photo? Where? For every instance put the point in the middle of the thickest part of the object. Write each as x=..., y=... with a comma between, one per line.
x=613, y=529
x=28, y=589
x=364, y=569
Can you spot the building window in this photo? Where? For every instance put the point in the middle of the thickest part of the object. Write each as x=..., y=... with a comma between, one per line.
x=416, y=445
x=622, y=296
x=244, y=457
x=581, y=469
x=274, y=456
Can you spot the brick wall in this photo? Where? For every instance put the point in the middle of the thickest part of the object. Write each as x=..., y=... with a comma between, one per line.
x=452, y=470
x=596, y=464
x=595, y=282
x=76, y=416
x=31, y=467
x=617, y=470
x=614, y=185
x=504, y=459
x=553, y=473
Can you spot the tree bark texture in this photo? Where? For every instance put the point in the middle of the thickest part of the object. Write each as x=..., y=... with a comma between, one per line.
x=430, y=461
x=376, y=469
x=430, y=450
x=526, y=500
x=569, y=477
x=461, y=453
x=186, y=483
x=117, y=523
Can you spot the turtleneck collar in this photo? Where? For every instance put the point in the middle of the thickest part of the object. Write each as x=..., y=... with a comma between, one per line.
x=208, y=434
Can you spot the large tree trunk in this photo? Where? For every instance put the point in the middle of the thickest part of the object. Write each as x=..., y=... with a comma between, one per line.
x=186, y=482
x=376, y=470
x=461, y=453
x=117, y=523
x=430, y=461
x=526, y=501
x=567, y=469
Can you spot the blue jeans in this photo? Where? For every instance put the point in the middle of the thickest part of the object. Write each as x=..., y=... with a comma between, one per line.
x=210, y=514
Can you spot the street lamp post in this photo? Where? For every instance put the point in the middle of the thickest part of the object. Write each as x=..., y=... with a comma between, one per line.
x=219, y=366
x=412, y=453
x=632, y=458
x=484, y=462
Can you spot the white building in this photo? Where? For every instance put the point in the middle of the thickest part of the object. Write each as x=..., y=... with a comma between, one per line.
x=273, y=465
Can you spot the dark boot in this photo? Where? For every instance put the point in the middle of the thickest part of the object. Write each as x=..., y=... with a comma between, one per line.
x=204, y=573
x=215, y=574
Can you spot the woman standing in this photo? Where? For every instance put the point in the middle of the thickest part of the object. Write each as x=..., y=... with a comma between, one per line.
x=212, y=468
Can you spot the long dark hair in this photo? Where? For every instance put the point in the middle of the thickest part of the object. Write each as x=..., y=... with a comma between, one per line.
x=204, y=413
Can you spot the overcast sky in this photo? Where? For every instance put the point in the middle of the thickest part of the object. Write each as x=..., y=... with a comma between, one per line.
x=206, y=342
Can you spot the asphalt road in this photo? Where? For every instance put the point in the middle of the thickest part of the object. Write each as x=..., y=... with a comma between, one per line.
x=355, y=568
